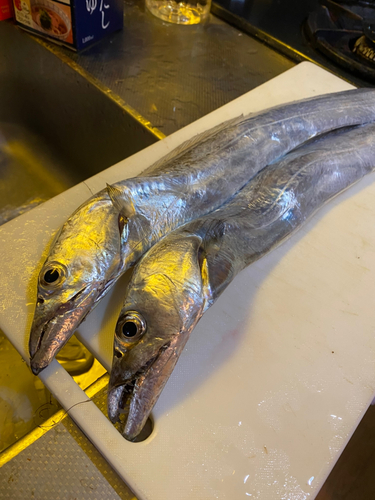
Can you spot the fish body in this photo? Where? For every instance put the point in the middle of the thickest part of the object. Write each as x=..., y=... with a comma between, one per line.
x=183, y=274
x=109, y=233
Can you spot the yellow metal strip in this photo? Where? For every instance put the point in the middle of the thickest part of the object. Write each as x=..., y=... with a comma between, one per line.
x=38, y=432
x=97, y=83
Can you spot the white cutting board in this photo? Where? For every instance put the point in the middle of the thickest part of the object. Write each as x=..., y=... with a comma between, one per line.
x=277, y=374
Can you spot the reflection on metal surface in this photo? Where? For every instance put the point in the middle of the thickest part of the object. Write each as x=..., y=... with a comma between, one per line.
x=75, y=358
x=26, y=404
x=97, y=83
x=32, y=157
x=172, y=76
x=24, y=401
x=29, y=169
x=62, y=461
x=272, y=41
x=61, y=126
x=55, y=419
x=80, y=363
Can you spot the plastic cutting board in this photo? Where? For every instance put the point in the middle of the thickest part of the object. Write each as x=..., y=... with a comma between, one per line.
x=277, y=374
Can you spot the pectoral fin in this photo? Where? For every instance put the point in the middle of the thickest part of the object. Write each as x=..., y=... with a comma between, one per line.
x=122, y=200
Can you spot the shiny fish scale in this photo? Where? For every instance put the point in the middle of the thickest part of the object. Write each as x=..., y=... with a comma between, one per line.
x=112, y=230
x=202, y=178
x=198, y=260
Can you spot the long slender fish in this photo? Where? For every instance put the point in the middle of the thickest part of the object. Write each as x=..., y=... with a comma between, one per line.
x=110, y=232
x=183, y=274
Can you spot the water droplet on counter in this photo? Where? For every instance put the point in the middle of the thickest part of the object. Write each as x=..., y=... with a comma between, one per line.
x=246, y=478
x=310, y=480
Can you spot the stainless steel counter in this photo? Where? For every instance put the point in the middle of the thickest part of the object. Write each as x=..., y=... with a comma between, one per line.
x=172, y=75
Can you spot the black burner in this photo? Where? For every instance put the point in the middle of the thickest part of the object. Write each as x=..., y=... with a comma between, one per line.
x=365, y=48
x=331, y=36
x=345, y=32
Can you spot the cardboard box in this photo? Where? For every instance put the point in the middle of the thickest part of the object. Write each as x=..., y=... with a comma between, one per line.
x=73, y=23
x=6, y=9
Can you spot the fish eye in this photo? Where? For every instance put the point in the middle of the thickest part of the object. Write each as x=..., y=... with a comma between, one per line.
x=130, y=327
x=53, y=274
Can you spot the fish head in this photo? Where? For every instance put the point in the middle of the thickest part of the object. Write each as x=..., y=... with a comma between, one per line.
x=83, y=261
x=165, y=299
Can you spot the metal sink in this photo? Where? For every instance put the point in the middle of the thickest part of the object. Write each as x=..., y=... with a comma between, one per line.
x=58, y=126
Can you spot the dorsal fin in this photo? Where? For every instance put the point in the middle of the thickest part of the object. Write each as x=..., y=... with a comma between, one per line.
x=122, y=200
x=191, y=143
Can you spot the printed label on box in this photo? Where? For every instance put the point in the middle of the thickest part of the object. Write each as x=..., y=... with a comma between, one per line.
x=46, y=16
x=5, y=9
x=96, y=18
x=22, y=11
x=75, y=23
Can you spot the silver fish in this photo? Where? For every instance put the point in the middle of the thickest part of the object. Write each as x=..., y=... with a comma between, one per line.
x=110, y=232
x=183, y=274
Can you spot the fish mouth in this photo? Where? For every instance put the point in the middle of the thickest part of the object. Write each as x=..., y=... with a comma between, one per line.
x=131, y=401
x=51, y=330
x=121, y=395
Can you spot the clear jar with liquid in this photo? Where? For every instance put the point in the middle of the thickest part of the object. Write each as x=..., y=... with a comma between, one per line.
x=191, y=12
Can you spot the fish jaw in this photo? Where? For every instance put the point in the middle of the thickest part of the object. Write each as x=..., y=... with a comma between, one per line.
x=135, y=396
x=51, y=330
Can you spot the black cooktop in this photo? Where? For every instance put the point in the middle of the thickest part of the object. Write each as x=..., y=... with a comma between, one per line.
x=322, y=31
